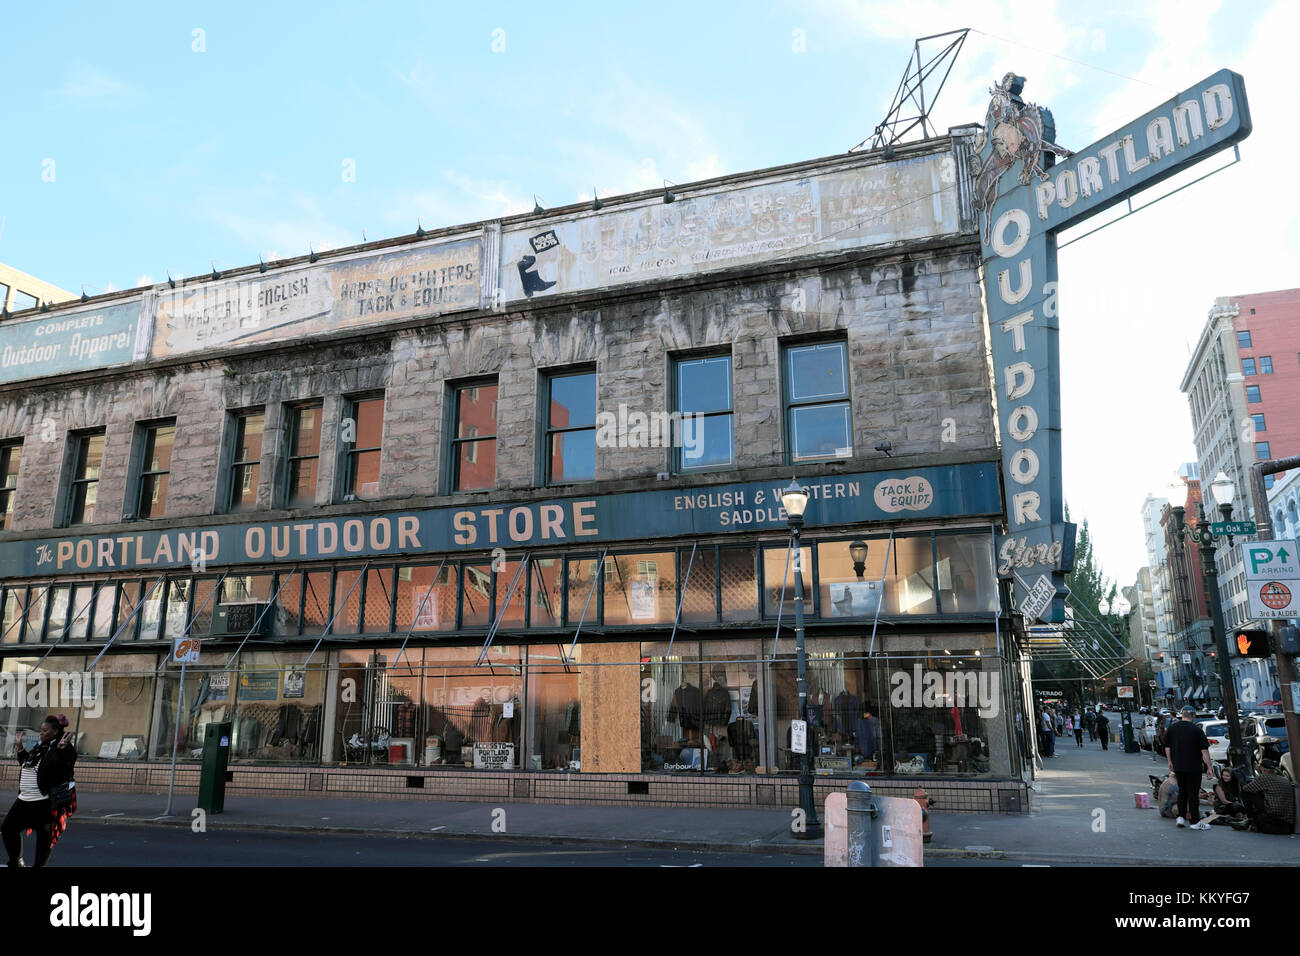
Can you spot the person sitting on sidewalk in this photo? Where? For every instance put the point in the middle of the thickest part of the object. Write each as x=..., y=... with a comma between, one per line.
x=1270, y=800
x=1227, y=794
x=1167, y=798
x=1188, y=752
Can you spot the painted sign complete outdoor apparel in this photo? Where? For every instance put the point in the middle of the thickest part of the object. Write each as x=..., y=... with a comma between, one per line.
x=1025, y=200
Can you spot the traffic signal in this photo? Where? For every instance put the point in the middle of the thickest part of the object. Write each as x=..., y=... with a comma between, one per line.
x=1252, y=643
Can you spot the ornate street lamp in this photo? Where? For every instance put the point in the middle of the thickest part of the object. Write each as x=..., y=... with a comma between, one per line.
x=795, y=500
x=1224, y=491
x=858, y=552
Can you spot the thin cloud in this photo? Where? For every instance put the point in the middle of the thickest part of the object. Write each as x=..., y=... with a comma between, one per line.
x=90, y=84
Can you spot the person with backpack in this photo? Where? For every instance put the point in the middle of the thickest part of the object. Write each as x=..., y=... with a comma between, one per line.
x=47, y=794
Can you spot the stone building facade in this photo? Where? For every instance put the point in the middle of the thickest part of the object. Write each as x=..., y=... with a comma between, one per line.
x=606, y=638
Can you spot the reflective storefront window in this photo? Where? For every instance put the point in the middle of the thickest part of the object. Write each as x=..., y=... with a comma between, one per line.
x=583, y=596
x=699, y=597
x=476, y=595
x=423, y=603
x=546, y=592
x=554, y=716
x=778, y=562
x=378, y=714
x=11, y=614
x=475, y=712
x=965, y=574
x=279, y=706
x=640, y=588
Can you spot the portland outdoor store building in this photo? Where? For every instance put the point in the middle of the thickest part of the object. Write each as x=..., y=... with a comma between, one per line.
x=494, y=512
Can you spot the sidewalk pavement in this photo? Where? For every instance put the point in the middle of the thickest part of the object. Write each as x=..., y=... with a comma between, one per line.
x=1081, y=812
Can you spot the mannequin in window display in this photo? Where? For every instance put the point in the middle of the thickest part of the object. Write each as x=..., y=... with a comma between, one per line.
x=717, y=714
x=866, y=733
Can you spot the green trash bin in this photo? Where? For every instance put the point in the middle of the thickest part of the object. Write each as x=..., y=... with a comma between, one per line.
x=212, y=779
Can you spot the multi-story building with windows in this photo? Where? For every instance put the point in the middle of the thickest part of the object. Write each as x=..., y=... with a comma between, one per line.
x=1242, y=386
x=20, y=291
x=495, y=511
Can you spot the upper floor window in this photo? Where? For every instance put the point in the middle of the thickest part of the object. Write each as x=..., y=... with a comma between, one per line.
x=473, y=452
x=818, y=417
x=1243, y=340
x=245, y=459
x=1266, y=365
x=1258, y=419
x=83, y=489
x=155, y=466
x=1248, y=366
x=11, y=456
x=1262, y=451
x=570, y=427
x=362, y=440
x=705, y=433
x=303, y=442
x=1252, y=394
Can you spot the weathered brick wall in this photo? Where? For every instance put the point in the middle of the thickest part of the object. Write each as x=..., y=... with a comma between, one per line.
x=918, y=371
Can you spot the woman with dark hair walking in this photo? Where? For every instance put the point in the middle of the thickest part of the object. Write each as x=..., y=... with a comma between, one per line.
x=46, y=793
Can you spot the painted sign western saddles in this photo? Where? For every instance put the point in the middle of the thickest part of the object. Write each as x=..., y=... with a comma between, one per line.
x=1026, y=197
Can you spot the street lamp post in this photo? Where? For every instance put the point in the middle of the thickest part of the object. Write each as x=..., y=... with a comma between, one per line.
x=795, y=500
x=1223, y=491
x=858, y=552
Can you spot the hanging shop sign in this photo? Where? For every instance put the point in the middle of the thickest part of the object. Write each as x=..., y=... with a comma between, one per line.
x=69, y=341
x=330, y=297
x=940, y=492
x=1026, y=196
x=910, y=198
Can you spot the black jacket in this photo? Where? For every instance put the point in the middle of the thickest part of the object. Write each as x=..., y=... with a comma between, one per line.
x=53, y=764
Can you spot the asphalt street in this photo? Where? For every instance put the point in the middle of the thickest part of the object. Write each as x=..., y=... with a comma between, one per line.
x=108, y=845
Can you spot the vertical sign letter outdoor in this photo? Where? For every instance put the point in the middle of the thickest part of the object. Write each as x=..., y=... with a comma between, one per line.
x=1025, y=198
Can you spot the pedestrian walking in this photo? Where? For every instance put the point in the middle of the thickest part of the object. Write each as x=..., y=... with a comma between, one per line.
x=1103, y=729
x=1188, y=752
x=1047, y=741
x=46, y=792
x=1090, y=721
x=1078, y=730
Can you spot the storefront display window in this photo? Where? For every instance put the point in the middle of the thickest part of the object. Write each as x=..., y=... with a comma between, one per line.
x=347, y=602
x=379, y=601
x=56, y=626
x=475, y=712
x=151, y=614
x=774, y=567
x=129, y=597
x=582, y=597
x=554, y=716
x=11, y=614
x=82, y=609
x=511, y=613
x=739, y=584
x=545, y=593
x=205, y=602
x=101, y=625
x=378, y=714
x=700, y=595
x=640, y=589
x=843, y=590
x=700, y=715
x=424, y=604
x=910, y=584
x=965, y=574
x=476, y=595
x=35, y=625
x=178, y=608
x=278, y=706
x=116, y=724
x=316, y=602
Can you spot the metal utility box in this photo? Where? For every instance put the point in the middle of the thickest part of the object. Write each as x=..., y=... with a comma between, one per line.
x=212, y=779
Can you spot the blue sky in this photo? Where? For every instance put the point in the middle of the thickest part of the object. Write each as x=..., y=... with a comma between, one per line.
x=168, y=158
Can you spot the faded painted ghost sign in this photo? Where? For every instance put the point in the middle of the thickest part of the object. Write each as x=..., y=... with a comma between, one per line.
x=1025, y=200
x=69, y=341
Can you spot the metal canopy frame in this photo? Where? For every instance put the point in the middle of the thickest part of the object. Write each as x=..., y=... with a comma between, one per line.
x=911, y=93
x=521, y=573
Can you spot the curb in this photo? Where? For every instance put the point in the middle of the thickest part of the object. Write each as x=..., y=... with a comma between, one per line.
x=702, y=846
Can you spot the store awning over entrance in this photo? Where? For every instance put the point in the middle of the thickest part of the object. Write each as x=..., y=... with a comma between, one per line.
x=1081, y=639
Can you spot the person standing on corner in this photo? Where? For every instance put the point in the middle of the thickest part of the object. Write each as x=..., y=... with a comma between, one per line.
x=44, y=803
x=1189, y=751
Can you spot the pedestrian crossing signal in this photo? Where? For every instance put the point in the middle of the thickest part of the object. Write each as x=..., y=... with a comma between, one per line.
x=1252, y=643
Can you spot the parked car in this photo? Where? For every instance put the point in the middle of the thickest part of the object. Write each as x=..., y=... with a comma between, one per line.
x=1216, y=732
x=1146, y=731
x=1265, y=736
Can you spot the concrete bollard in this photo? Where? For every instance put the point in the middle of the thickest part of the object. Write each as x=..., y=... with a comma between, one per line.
x=862, y=826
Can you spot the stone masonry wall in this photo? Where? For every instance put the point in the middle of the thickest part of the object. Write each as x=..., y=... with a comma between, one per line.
x=918, y=372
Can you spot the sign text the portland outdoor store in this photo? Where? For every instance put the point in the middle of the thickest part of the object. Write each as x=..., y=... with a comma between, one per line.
x=935, y=492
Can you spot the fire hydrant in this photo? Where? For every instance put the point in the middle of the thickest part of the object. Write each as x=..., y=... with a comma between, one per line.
x=926, y=803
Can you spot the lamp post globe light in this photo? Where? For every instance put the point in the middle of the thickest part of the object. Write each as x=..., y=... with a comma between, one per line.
x=795, y=500
x=858, y=552
x=1224, y=491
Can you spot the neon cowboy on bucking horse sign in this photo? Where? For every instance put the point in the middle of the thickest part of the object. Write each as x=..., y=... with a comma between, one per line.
x=1020, y=131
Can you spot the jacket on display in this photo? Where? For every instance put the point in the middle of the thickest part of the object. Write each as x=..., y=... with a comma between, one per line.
x=717, y=705
x=687, y=706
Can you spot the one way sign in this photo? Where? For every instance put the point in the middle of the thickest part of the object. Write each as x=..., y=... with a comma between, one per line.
x=1272, y=578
